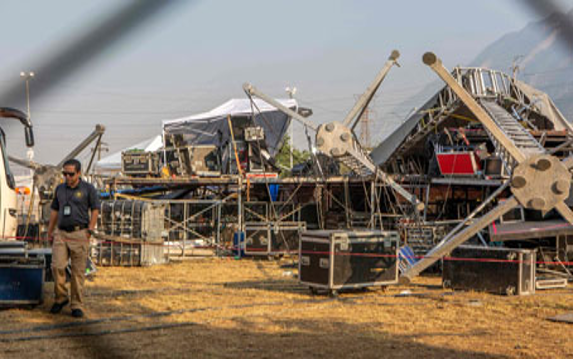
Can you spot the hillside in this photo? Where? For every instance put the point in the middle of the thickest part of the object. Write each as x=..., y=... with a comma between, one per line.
x=546, y=62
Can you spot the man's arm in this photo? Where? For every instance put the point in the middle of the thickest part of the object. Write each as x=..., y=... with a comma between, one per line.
x=94, y=203
x=93, y=219
x=55, y=207
x=52, y=223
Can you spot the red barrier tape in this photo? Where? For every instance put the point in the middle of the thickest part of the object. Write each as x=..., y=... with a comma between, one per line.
x=444, y=257
x=367, y=255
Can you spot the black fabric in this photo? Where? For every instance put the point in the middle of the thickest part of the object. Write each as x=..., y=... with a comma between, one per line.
x=81, y=199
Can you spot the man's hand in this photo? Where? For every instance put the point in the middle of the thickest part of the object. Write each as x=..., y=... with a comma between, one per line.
x=52, y=223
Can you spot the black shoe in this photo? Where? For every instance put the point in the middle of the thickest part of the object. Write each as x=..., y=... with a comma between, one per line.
x=56, y=308
x=77, y=313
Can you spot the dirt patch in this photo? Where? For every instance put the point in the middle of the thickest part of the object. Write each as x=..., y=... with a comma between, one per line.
x=256, y=309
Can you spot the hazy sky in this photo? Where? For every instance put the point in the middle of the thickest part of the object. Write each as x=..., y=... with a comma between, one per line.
x=197, y=54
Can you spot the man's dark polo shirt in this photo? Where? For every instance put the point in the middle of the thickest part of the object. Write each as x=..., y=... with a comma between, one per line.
x=81, y=198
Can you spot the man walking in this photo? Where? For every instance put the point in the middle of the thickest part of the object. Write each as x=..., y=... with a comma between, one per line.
x=75, y=210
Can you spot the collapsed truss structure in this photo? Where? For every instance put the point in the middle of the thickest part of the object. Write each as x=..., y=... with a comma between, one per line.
x=493, y=113
x=484, y=150
x=539, y=181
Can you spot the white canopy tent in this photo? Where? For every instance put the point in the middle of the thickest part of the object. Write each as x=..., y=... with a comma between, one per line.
x=232, y=107
x=212, y=128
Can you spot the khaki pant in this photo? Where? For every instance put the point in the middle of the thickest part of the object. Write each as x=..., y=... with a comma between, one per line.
x=73, y=245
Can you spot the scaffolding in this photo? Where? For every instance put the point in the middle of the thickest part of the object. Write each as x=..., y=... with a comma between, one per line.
x=270, y=225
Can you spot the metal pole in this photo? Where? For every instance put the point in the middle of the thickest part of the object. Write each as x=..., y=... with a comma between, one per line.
x=372, y=197
x=98, y=132
x=98, y=144
x=218, y=224
x=291, y=92
x=291, y=146
x=238, y=164
x=27, y=76
x=28, y=98
x=361, y=105
x=240, y=227
x=426, y=202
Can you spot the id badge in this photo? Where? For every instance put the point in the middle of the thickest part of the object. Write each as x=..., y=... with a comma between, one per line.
x=67, y=211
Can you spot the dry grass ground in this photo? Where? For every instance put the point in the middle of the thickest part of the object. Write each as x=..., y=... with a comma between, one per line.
x=243, y=309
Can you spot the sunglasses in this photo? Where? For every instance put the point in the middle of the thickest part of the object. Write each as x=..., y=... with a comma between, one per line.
x=70, y=174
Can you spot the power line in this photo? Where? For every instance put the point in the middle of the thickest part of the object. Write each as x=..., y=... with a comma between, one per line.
x=98, y=112
x=91, y=126
x=556, y=85
x=546, y=72
x=135, y=95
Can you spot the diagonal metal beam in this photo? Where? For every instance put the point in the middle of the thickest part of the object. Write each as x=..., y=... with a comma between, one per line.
x=98, y=132
x=565, y=211
x=436, y=65
x=359, y=108
x=445, y=247
x=98, y=144
x=253, y=91
x=561, y=147
x=474, y=213
x=26, y=163
x=383, y=176
x=568, y=162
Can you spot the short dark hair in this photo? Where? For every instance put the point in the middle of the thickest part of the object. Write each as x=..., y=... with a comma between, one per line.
x=77, y=165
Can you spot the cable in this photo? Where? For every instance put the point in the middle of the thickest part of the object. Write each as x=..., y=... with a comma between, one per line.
x=545, y=72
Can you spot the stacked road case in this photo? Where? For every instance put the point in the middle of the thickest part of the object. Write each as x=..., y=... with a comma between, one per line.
x=140, y=163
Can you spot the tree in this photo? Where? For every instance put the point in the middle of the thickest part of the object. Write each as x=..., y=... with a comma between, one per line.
x=283, y=157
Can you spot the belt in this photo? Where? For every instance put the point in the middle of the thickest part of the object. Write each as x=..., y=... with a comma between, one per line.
x=71, y=228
